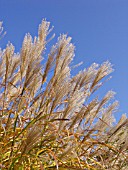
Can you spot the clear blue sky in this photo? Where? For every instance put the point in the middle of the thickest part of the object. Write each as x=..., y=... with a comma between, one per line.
x=99, y=29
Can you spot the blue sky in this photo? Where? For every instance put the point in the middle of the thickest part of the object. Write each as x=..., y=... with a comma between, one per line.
x=99, y=29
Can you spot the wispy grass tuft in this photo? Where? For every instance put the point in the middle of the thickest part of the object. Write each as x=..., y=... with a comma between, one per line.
x=47, y=121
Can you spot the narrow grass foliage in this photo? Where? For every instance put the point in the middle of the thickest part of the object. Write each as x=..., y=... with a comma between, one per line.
x=47, y=120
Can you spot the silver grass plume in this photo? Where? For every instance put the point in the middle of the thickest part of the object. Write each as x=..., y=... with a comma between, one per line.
x=48, y=119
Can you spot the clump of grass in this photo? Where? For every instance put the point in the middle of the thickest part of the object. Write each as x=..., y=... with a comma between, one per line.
x=47, y=120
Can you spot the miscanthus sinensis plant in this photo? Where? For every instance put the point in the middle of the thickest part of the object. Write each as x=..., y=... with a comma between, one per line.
x=47, y=120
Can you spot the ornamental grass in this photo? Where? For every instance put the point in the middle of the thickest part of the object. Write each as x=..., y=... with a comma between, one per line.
x=52, y=120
